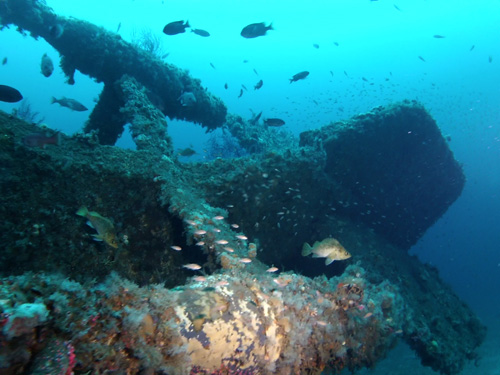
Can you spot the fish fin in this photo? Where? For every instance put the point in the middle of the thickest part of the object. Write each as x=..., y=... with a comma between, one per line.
x=187, y=24
x=82, y=211
x=270, y=27
x=53, y=100
x=316, y=256
x=97, y=238
x=90, y=224
x=329, y=261
x=306, y=249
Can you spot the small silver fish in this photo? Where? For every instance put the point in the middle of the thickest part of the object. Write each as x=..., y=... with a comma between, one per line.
x=192, y=266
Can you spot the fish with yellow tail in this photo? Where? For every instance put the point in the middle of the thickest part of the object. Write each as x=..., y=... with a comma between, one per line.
x=103, y=226
x=329, y=248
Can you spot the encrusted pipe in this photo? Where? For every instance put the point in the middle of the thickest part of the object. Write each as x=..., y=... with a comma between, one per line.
x=219, y=324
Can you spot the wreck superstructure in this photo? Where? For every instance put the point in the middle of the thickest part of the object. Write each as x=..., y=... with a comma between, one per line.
x=240, y=319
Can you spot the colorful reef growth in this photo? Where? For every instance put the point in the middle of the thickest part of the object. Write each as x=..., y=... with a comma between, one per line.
x=184, y=288
x=223, y=325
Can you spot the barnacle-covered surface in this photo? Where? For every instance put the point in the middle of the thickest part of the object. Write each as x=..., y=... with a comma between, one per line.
x=229, y=324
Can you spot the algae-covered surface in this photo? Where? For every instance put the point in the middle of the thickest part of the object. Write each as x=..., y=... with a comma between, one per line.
x=132, y=262
x=168, y=227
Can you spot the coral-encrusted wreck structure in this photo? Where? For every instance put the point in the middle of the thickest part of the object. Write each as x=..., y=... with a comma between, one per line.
x=67, y=303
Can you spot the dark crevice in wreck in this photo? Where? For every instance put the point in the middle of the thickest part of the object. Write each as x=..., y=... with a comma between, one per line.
x=375, y=182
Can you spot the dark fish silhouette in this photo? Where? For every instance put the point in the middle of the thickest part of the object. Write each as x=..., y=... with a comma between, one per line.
x=225, y=86
x=4, y=61
x=56, y=31
x=437, y=36
x=397, y=8
x=258, y=85
x=47, y=67
x=255, y=29
x=421, y=58
x=201, y=32
x=299, y=76
x=176, y=27
x=315, y=45
x=186, y=152
x=274, y=122
x=9, y=94
x=241, y=93
x=473, y=46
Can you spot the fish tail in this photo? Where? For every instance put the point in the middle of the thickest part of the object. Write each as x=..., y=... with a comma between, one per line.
x=187, y=24
x=270, y=27
x=306, y=250
x=82, y=211
x=55, y=139
x=53, y=100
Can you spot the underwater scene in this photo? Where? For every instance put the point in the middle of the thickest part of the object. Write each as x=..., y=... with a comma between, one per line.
x=249, y=187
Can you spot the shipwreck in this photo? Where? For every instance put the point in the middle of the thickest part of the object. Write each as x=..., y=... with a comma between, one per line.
x=375, y=182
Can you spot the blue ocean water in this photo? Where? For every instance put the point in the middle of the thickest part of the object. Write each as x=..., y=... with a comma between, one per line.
x=367, y=55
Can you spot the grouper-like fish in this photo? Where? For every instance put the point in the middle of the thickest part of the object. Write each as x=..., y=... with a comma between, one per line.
x=103, y=226
x=329, y=248
x=47, y=66
x=72, y=104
